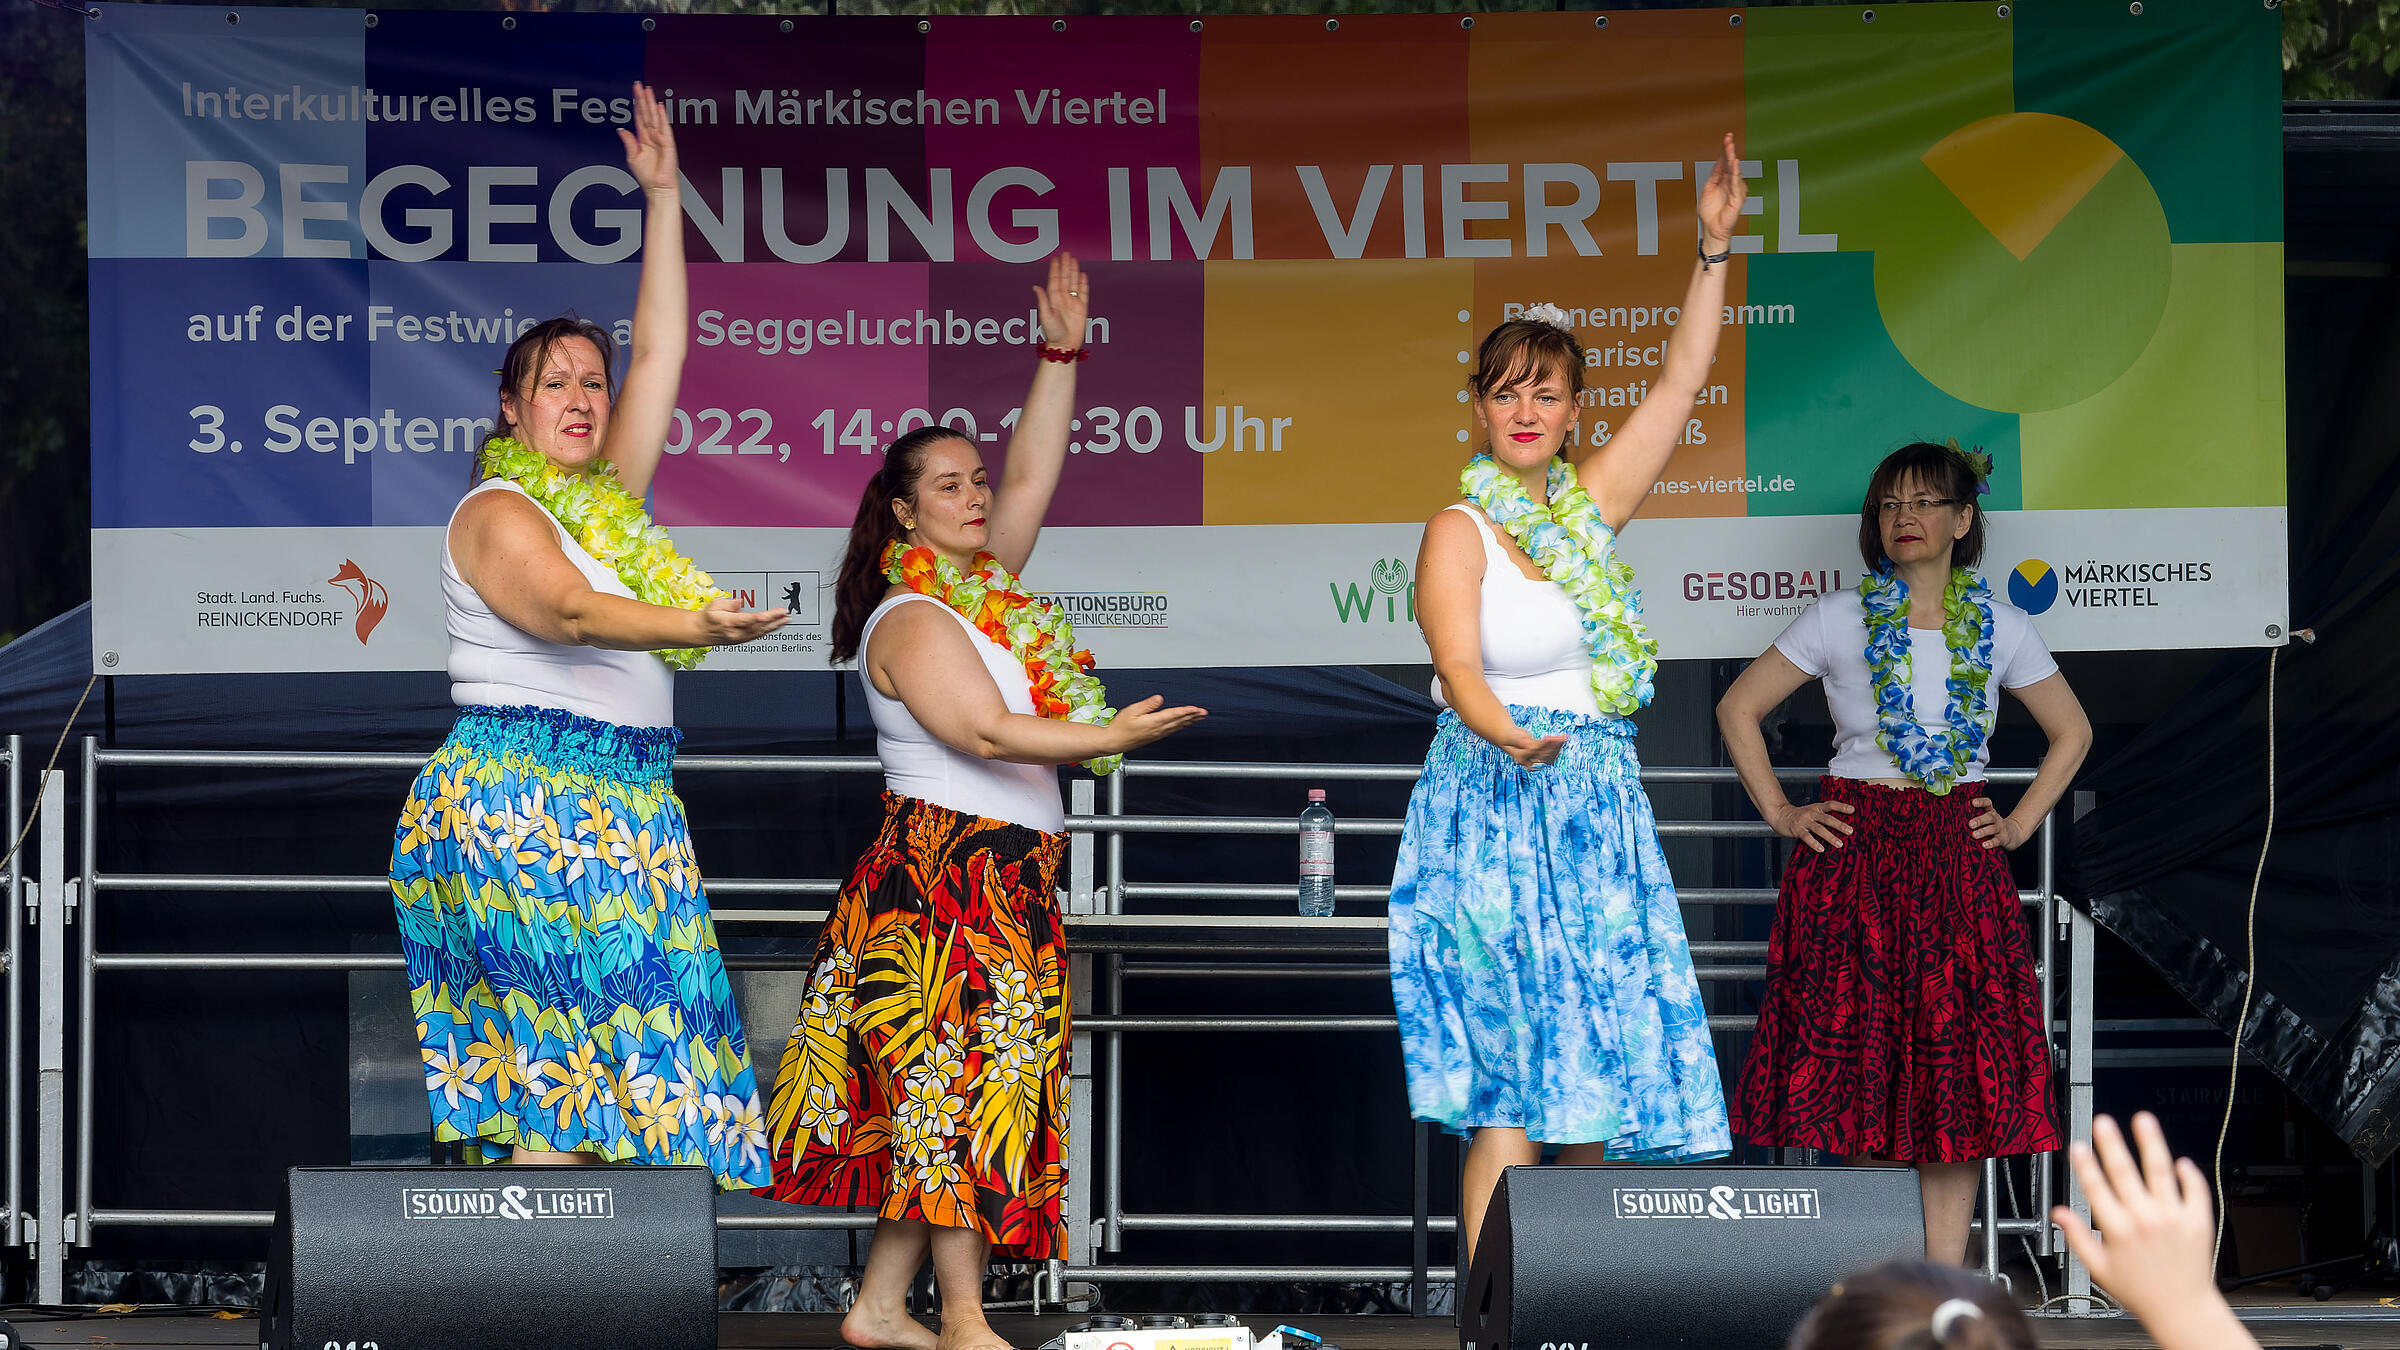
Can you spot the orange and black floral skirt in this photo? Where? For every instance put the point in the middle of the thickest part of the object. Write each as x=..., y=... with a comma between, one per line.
x=927, y=1074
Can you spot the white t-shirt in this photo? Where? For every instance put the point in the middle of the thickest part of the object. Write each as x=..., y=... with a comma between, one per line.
x=1829, y=641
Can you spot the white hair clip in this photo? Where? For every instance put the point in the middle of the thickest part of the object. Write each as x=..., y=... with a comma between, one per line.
x=1947, y=1315
x=1550, y=314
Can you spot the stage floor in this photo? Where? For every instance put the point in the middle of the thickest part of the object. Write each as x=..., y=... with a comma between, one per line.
x=2357, y=1324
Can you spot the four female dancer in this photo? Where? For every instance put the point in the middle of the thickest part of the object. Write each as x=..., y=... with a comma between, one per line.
x=927, y=1072
x=572, y=1004
x=570, y=1001
x=1544, y=986
x=1902, y=1020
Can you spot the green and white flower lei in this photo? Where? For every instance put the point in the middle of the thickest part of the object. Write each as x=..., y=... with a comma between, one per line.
x=610, y=523
x=1574, y=547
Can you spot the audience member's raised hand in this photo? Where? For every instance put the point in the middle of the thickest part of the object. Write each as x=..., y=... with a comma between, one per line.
x=2154, y=1251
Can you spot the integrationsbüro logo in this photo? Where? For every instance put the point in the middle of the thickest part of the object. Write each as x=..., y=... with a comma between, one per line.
x=1384, y=595
x=2035, y=586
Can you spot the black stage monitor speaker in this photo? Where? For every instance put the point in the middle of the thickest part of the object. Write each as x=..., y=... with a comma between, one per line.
x=531, y=1258
x=1643, y=1258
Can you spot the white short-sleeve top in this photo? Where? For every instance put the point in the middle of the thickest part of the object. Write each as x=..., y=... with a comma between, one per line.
x=917, y=764
x=494, y=663
x=1829, y=641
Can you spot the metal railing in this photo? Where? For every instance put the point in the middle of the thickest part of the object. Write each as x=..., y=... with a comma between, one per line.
x=1131, y=946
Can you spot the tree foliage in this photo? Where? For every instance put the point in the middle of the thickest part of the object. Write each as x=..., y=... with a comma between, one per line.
x=2341, y=49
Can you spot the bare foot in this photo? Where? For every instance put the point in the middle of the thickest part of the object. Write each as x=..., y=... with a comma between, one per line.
x=886, y=1330
x=970, y=1332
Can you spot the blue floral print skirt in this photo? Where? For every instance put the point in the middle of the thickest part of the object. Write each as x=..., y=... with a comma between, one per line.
x=1538, y=958
x=563, y=967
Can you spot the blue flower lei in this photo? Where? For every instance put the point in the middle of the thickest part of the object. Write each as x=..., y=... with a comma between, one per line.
x=1936, y=759
x=1575, y=548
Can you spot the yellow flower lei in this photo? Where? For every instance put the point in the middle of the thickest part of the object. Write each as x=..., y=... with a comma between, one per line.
x=610, y=523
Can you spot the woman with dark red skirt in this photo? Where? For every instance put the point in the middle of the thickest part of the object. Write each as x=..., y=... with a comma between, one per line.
x=1903, y=1020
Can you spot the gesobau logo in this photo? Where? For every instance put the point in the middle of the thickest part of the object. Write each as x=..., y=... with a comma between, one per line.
x=1387, y=595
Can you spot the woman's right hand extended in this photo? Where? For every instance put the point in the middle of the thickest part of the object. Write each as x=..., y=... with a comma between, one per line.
x=1817, y=824
x=724, y=623
x=1140, y=723
x=1531, y=751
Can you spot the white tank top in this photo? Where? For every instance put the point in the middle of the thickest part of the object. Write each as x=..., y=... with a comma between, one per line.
x=494, y=663
x=916, y=764
x=1532, y=636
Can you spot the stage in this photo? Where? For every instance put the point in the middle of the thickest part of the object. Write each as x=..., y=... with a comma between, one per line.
x=2355, y=1322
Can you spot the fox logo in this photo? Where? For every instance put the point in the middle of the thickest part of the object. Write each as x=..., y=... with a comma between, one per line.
x=366, y=593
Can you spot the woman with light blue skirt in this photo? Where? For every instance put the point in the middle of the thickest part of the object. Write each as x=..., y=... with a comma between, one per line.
x=1539, y=965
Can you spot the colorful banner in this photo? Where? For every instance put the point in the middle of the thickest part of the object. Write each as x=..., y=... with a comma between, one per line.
x=2048, y=229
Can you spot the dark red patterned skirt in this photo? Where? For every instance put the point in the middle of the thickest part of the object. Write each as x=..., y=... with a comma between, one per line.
x=1902, y=1018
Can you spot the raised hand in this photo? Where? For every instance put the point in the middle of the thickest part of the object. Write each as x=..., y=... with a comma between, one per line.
x=1721, y=200
x=2153, y=1252
x=650, y=146
x=1065, y=303
x=1141, y=723
x=1530, y=751
x=1818, y=824
x=724, y=623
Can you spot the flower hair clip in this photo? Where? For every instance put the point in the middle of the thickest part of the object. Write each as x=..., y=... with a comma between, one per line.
x=1550, y=314
x=1980, y=461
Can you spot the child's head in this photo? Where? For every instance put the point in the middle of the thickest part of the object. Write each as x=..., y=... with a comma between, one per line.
x=1914, y=1305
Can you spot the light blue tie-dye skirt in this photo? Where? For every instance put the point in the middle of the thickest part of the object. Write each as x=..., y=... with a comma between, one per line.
x=1538, y=959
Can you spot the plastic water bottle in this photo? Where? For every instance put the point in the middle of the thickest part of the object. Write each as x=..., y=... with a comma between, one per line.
x=1316, y=857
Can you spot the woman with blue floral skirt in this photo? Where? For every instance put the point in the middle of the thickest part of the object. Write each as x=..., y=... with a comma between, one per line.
x=571, y=1004
x=1544, y=986
x=1902, y=1021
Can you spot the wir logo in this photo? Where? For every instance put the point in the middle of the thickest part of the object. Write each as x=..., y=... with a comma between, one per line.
x=1388, y=582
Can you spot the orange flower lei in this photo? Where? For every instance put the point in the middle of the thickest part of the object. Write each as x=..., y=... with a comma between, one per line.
x=1034, y=631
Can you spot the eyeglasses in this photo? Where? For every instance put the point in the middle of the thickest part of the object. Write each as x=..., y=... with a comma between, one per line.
x=1892, y=506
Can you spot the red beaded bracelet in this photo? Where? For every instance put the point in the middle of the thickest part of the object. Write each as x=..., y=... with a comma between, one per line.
x=1062, y=355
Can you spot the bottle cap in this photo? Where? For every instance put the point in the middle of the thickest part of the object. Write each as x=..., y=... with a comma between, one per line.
x=1316, y=794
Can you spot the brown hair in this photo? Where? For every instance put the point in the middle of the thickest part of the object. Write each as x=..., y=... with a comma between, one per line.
x=1892, y=1307
x=523, y=365
x=1941, y=470
x=860, y=585
x=1525, y=349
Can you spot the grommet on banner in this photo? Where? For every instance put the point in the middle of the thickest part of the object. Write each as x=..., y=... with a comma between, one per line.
x=371, y=21
x=509, y=23
x=786, y=25
x=232, y=18
x=2004, y=11
x=1195, y=25
x=924, y=25
x=2135, y=8
x=1734, y=19
x=1333, y=25
x=1867, y=16
x=1058, y=25
x=1467, y=22
x=649, y=25
x=1600, y=22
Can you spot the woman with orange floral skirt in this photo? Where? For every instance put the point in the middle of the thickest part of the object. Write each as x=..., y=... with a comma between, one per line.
x=927, y=1075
